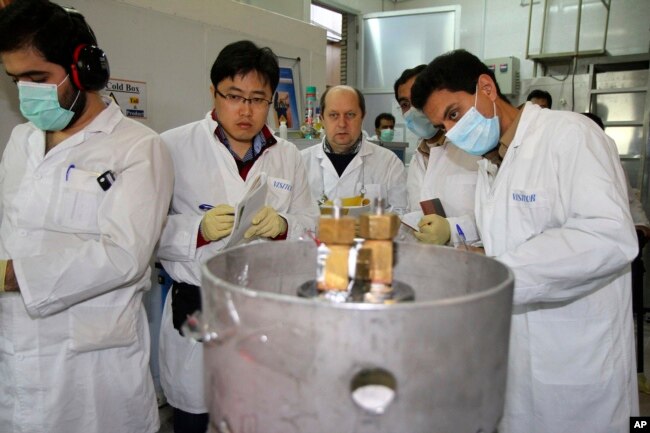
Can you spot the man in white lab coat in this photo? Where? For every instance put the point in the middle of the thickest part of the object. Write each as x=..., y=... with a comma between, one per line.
x=438, y=170
x=556, y=212
x=84, y=193
x=216, y=159
x=345, y=164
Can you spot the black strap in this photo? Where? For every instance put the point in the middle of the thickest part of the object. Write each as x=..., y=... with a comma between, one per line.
x=186, y=299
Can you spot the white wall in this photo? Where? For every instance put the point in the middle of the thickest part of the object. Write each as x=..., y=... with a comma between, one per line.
x=498, y=28
x=300, y=9
x=172, y=44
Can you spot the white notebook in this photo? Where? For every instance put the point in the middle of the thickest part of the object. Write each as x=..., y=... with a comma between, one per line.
x=252, y=202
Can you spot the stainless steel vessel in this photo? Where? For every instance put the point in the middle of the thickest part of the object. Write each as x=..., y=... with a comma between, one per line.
x=276, y=363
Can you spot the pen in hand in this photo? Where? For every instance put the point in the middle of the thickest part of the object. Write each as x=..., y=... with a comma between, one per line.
x=461, y=235
x=205, y=206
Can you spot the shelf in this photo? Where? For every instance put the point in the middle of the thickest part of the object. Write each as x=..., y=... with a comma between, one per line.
x=619, y=90
x=564, y=56
x=623, y=123
x=630, y=62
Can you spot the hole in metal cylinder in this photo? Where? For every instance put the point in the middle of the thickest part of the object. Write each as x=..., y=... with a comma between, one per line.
x=373, y=389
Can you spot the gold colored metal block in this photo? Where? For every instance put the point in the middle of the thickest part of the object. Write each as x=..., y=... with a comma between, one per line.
x=336, y=269
x=336, y=230
x=381, y=264
x=384, y=226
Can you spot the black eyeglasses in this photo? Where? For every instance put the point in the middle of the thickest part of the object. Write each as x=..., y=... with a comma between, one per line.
x=239, y=100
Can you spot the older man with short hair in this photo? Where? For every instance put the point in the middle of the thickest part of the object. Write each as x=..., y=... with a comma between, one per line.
x=345, y=164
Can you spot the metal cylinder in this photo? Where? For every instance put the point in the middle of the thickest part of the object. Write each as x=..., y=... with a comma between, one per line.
x=276, y=363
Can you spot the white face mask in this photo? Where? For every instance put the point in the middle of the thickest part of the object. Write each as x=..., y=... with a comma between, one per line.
x=387, y=134
x=474, y=133
x=39, y=103
x=419, y=124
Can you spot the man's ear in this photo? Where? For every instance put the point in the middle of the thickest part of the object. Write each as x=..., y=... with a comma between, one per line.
x=487, y=85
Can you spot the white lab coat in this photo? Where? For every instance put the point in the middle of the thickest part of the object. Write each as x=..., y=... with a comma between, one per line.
x=374, y=168
x=450, y=175
x=206, y=172
x=557, y=214
x=74, y=343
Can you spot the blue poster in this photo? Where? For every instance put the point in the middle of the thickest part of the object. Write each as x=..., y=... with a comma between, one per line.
x=285, y=104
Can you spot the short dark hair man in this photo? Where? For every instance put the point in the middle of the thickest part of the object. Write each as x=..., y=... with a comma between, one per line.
x=438, y=170
x=556, y=213
x=84, y=193
x=384, y=127
x=216, y=160
x=541, y=98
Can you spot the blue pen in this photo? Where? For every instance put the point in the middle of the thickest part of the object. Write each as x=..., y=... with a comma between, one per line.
x=67, y=172
x=461, y=235
x=204, y=206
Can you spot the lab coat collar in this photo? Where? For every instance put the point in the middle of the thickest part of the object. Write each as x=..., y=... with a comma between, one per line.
x=104, y=122
x=426, y=144
x=365, y=148
x=107, y=120
x=506, y=140
x=509, y=134
x=327, y=147
x=263, y=140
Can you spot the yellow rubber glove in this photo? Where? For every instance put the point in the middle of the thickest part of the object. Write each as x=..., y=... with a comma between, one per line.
x=434, y=229
x=217, y=222
x=267, y=223
x=3, y=273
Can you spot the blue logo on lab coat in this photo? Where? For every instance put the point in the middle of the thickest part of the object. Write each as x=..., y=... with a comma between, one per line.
x=525, y=198
x=282, y=185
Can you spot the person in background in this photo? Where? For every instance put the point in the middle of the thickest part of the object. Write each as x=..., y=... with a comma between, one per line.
x=384, y=127
x=215, y=161
x=556, y=213
x=439, y=170
x=541, y=98
x=84, y=194
x=346, y=165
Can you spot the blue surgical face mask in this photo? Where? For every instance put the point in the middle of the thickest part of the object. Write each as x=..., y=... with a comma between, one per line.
x=418, y=123
x=387, y=134
x=474, y=133
x=39, y=103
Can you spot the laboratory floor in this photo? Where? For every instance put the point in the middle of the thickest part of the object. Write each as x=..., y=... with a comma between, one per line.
x=166, y=425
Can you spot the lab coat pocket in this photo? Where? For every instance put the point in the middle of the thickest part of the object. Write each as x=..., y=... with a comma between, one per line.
x=529, y=210
x=94, y=327
x=79, y=199
x=571, y=352
x=279, y=193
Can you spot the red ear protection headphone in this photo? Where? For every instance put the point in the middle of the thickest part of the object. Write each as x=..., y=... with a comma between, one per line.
x=89, y=69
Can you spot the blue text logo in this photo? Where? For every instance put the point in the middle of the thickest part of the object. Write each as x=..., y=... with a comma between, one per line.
x=526, y=198
x=281, y=185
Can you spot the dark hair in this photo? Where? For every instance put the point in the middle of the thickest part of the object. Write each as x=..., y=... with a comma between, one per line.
x=407, y=75
x=386, y=116
x=541, y=94
x=455, y=71
x=360, y=98
x=49, y=28
x=242, y=57
x=596, y=119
